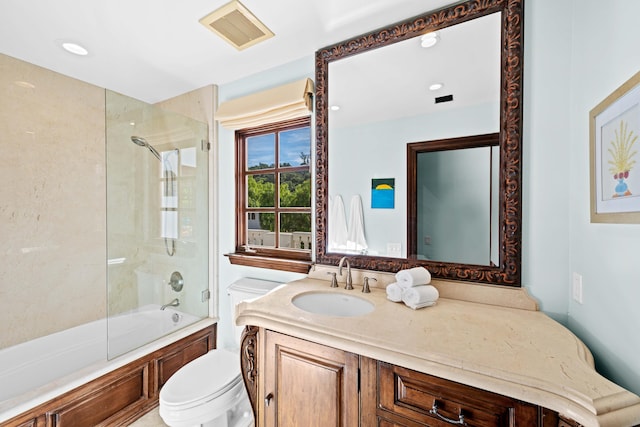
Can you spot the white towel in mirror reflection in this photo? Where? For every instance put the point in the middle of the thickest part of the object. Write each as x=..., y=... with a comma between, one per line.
x=355, y=235
x=337, y=227
x=346, y=236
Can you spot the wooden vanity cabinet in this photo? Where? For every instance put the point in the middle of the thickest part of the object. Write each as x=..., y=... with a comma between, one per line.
x=409, y=398
x=293, y=382
x=307, y=384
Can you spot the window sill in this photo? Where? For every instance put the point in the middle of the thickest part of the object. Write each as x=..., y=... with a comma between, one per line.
x=271, y=263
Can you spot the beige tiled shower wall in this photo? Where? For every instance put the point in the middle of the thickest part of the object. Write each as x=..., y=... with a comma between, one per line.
x=52, y=202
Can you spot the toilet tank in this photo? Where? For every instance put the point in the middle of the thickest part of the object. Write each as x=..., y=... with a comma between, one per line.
x=245, y=289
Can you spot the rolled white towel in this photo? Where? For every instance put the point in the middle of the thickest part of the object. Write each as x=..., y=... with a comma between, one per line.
x=419, y=306
x=420, y=296
x=413, y=277
x=394, y=292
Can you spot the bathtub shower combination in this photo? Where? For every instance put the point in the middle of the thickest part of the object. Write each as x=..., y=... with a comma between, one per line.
x=157, y=282
x=40, y=369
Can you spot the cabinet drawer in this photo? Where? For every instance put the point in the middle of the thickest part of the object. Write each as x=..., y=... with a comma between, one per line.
x=437, y=402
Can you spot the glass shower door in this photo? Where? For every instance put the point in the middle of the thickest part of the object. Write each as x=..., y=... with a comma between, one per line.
x=157, y=222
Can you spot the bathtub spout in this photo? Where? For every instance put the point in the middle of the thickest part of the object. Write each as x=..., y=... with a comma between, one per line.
x=174, y=303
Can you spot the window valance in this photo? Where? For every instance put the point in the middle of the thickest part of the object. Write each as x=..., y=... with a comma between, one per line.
x=285, y=102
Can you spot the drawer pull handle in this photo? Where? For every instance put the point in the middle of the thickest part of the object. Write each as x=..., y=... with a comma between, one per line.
x=434, y=411
x=268, y=399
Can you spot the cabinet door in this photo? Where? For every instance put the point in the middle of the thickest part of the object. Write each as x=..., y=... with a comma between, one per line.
x=308, y=384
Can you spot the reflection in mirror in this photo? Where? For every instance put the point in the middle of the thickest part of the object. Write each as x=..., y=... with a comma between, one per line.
x=367, y=140
x=397, y=81
x=369, y=132
x=452, y=199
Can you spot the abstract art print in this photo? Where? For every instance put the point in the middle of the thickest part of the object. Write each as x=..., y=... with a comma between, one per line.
x=383, y=193
x=614, y=128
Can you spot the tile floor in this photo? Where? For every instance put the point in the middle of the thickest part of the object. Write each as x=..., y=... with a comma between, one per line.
x=151, y=419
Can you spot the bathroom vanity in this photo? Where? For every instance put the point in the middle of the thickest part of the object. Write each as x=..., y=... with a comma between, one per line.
x=486, y=357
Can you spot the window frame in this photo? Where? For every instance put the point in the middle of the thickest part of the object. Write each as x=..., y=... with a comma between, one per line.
x=271, y=257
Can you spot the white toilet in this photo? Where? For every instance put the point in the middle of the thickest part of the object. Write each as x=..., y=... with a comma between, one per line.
x=209, y=390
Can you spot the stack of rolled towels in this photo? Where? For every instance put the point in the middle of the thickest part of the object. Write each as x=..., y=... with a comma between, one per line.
x=412, y=287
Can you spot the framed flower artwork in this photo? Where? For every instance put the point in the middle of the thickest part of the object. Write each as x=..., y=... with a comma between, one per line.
x=614, y=128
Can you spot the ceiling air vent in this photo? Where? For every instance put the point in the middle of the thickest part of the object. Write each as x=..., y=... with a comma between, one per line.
x=446, y=98
x=236, y=25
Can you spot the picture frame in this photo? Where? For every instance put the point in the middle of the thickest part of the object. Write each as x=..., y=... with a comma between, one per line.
x=614, y=139
x=383, y=193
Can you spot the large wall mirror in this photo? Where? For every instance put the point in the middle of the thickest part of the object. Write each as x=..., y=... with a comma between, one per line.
x=453, y=74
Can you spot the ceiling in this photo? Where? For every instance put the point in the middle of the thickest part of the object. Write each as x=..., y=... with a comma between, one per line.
x=393, y=81
x=153, y=50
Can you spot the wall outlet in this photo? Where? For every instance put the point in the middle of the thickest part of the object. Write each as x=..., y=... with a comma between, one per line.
x=577, y=287
x=427, y=240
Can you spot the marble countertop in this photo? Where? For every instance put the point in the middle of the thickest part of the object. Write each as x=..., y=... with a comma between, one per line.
x=516, y=352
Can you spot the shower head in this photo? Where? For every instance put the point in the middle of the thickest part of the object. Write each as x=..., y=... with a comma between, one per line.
x=138, y=140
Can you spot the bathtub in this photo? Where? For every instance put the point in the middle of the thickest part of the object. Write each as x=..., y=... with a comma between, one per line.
x=39, y=370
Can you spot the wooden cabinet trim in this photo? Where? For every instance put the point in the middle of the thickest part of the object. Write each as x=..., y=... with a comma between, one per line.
x=249, y=364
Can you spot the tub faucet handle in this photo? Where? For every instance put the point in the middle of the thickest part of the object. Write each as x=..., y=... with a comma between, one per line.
x=176, y=281
x=334, y=281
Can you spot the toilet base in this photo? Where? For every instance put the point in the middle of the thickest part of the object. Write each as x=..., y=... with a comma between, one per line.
x=235, y=407
x=240, y=416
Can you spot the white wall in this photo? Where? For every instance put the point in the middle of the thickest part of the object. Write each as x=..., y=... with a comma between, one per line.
x=226, y=191
x=605, y=255
x=547, y=72
x=577, y=53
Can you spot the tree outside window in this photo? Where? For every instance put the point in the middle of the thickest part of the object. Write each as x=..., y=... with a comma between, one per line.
x=274, y=190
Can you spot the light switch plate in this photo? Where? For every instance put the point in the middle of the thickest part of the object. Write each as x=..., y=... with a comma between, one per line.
x=577, y=287
x=394, y=249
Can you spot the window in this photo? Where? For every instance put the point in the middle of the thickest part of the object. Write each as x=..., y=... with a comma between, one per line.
x=273, y=193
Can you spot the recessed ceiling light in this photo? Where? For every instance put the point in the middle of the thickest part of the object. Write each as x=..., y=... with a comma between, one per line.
x=335, y=107
x=429, y=39
x=436, y=86
x=75, y=48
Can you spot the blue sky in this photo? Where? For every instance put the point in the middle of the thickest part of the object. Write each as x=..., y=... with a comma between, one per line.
x=292, y=143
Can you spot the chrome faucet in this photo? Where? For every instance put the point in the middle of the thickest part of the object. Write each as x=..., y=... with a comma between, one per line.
x=349, y=282
x=174, y=303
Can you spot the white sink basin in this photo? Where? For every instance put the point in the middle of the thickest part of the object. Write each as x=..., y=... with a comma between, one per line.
x=332, y=304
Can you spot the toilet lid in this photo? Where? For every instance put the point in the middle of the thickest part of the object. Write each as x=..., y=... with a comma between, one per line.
x=202, y=379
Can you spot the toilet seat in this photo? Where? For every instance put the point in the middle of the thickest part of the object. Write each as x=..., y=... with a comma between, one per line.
x=202, y=380
x=209, y=390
